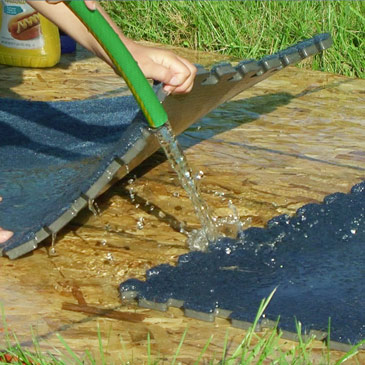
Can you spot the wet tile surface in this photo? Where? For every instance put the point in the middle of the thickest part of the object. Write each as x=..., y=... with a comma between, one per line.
x=314, y=259
x=53, y=152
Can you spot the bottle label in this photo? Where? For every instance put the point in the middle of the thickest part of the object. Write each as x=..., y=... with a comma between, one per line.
x=20, y=26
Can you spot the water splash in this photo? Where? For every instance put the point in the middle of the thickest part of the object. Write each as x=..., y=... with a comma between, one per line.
x=209, y=232
x=230, y=226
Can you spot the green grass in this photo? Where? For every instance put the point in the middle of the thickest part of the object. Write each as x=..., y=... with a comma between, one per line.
x=253, y=349
x=250, y=29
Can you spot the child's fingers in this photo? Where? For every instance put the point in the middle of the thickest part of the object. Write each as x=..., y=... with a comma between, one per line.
x=163, y=75
x=5, y=235
x=89, y=3
x=187, y=85
x=183, y=76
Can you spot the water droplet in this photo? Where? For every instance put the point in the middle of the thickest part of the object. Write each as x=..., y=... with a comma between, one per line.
x=109, y=256
x=140, y=223
x=93, y=207
x=353, y=231
x=109, y=175
x=52, y=250
x=176, y=194
x=187, y=174
x=228, y=250
x=199, y=175
x=183, y=231
x=161, y=214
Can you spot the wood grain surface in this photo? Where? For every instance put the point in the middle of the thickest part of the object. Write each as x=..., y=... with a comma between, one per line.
x=288, y=141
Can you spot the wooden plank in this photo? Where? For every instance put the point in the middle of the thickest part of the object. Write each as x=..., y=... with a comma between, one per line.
x=290, y=140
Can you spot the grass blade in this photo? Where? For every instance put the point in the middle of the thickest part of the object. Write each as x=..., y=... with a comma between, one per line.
x=225, y=346
x=179, y=347
x=244, y=346
x=69, y=350
x=203, y=351
x=101, y=350
x=352, y=352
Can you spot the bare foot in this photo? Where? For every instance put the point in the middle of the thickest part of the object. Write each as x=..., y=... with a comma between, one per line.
x=4, y=234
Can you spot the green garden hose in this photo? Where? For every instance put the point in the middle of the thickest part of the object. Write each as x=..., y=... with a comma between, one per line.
x=123, y=61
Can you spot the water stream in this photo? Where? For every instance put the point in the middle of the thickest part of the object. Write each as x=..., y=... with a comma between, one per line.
x=209, y=232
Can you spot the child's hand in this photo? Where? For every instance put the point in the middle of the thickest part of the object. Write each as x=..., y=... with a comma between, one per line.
x=4, y=234
x=175, y=72
x=89, y=3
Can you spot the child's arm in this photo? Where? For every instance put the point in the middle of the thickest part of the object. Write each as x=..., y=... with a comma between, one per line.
x=175, y=72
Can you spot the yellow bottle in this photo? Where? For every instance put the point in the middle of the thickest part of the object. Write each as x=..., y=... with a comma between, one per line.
x=27, y=39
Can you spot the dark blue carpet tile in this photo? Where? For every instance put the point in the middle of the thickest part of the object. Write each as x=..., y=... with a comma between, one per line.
x=52, y=152
x=315, y=259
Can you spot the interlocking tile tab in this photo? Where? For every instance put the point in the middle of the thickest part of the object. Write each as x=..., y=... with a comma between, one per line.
x=315, y=260
x=271, y=63
x=225, y=71
x=248, y=67
x=45, y=182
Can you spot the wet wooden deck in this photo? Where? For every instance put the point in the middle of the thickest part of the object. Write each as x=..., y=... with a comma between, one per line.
x=302, y=138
